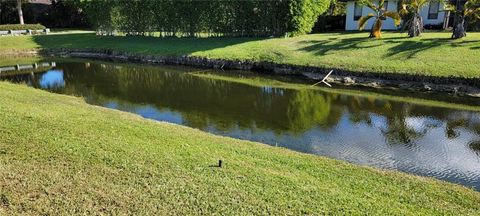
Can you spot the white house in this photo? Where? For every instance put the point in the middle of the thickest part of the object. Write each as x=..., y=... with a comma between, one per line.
x=432, y=14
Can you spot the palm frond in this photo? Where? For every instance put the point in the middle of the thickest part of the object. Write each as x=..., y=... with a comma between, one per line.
x=395, y=16
x=404, y=10
x=450, y=7
x=381, y=3
x=415, y=5
x=369, y=4
x=363, y=20
x=472, y=11
x=422, y=3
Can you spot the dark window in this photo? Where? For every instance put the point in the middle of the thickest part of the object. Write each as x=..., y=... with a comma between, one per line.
x=357, y=13
x=433, y=10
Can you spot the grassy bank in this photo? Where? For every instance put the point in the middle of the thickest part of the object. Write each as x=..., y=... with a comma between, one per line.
x=59, y=155
x=263, y=82
x=433, y=54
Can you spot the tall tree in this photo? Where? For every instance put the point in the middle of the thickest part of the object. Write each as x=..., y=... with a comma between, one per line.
x=20, y=12
x=380, y=14
x=415, y=22
x=470, y=10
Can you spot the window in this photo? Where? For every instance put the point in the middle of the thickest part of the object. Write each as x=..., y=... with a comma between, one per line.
x=385, y=5
x=433, y=10
x=357, y=13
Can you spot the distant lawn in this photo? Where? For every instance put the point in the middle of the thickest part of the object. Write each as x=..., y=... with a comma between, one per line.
x=434, y=54
x=59, y=156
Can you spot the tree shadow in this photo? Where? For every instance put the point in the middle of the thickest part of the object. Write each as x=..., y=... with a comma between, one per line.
x=410, y=48
x=323, y=47
x=138, y=44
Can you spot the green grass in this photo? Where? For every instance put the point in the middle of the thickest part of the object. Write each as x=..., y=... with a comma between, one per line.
x=59, y=155
x=433, y=54
x=19, y=60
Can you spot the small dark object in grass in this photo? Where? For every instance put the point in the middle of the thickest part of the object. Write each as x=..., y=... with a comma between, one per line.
x=4, y=200
x=220, y=163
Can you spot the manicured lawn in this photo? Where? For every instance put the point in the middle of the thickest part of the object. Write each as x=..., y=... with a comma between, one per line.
x=433, y=54
x=59, y=155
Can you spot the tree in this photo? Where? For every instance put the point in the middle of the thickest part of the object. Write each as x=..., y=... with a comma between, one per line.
x=380, y=14
x=20, y=12
x=470, y=10
x=415, y=22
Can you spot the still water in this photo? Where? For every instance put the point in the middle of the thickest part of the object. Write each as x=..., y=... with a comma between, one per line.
x=420, y=136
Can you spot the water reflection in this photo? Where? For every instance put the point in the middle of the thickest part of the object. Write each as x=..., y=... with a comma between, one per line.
x=52, y=79
x=426, y=140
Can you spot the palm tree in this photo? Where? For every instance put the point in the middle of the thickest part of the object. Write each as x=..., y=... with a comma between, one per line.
x=20, y=12
x=415, y=22
x=380, y=14
x=470, y=10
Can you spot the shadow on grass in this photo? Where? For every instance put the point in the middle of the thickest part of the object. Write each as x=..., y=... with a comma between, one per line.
x=323, y=47
x=410, y=48
x=396, y=46
x=142, y=45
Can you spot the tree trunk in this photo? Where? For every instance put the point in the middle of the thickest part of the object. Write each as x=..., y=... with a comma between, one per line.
x=376, y=31
x=371, y=33
x=416, y=26
x=459, y=28
x=446, y=20
x=20, y=12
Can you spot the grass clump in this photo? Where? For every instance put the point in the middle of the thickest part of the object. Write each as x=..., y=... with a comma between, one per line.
x=8, y=27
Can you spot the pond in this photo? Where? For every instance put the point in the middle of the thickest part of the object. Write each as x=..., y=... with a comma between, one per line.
x=414, y=133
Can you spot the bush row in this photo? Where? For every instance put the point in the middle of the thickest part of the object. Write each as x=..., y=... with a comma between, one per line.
x=193, y=18
x=21, y=27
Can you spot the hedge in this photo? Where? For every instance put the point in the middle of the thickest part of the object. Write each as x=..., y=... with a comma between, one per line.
x=21, y=27
x=193, y=18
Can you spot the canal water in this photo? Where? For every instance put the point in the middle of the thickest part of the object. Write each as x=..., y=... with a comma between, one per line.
x=417, y=134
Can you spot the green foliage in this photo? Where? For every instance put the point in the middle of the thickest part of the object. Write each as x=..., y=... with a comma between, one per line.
x=102, y=16
x=304, y=13
x=21, y=27
x=472, y=9
x=190, y=18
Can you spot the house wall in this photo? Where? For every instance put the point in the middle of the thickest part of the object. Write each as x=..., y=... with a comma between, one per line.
x=439, y=20
x=351, y=24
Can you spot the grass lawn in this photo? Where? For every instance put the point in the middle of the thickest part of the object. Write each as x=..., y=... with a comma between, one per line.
x=433, y=54
x=59, y=155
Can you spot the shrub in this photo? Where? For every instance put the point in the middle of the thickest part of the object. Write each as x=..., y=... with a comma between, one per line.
x=304, y=14
x=21, y=27
x=190, y=18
